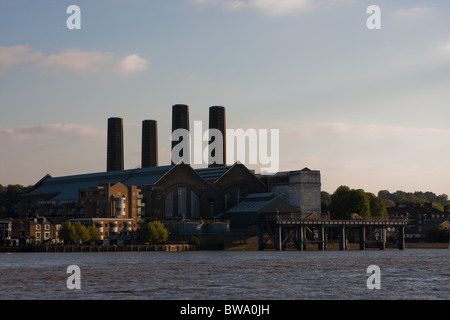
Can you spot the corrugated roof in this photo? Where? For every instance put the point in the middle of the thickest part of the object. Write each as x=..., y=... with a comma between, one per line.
x=210, y=175
x=261, y=203
x=67, y=187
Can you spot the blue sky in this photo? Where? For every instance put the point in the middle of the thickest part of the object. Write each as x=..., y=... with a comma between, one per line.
x=368, y=108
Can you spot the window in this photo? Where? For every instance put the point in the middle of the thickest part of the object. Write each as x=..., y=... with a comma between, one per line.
x=38, y=227
x=38, y=235
x=47, y=235
x=47, y=227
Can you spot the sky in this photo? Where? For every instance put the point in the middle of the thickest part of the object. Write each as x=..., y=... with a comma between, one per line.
x=369, y=108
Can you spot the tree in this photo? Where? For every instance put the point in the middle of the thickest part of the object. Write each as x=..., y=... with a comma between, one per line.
x=153, y=232
x=325, y=200
x=81, y=232
x=94, y=234
x=377, y=207
x=67, y=232
x=346, y=201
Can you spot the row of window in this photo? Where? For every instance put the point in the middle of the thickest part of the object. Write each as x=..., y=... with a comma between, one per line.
x=46, y=227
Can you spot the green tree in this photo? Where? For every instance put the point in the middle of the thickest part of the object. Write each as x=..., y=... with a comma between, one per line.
x=377, y=207
x=94, y=234
x=325, y=200
x=67, y=232
x=437, y=234
x=81, y=232
x=153, y=232
x=346, y=201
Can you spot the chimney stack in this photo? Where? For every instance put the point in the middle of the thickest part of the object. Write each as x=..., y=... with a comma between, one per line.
x=180, y=120
x=217, y=121
x=149, y=143
x=115, y=161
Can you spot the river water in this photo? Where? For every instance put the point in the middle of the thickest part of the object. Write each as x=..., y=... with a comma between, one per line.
x=227, y=275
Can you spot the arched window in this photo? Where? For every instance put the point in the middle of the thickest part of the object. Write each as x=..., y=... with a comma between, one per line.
x=182, y=202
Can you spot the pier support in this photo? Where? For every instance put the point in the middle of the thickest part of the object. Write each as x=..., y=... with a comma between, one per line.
x=342, y=238
x=401, y=237
x=301, y=245
x=260, y=239
x=362, y=238
x=321, y=238
x=278, y=238
x=382, y=242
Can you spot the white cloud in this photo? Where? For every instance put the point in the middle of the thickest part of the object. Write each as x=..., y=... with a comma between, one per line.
x=281, y=7
x=268, y=7
x=414, y=12
x=445, y=47
x=72, y=60
x=55, y=131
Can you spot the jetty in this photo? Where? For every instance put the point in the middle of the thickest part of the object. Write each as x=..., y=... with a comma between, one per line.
x=281, y=229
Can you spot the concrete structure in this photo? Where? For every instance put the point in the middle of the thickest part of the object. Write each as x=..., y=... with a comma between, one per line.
x=115, y=158
x=300, y=188
x=217, y=121
x=149, y=143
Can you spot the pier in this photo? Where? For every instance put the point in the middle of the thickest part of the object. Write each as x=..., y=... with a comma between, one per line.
x=283, y=229
x=99, y=248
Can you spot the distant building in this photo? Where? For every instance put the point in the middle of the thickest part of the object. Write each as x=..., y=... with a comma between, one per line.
x=37, y=230
x=300, y=188
x=420, y=218
x=174, y=192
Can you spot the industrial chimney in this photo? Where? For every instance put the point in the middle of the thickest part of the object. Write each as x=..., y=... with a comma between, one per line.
x=180, y=120
x=114, y=161
x=217, y=121
x=149, y=143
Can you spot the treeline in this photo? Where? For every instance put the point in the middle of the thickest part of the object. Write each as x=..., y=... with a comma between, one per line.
x=345, y=201
x=152, y=232
x=414, y=198
x=10, y=197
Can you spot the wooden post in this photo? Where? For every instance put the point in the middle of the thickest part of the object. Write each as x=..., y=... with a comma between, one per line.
x=278, y=238
x=362, y=238
x=342, y=239
x=401, y=237
x=321, y=238
x=300, y=240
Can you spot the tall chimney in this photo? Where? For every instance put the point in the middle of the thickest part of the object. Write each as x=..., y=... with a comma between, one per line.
x=149, y=143
x=217, y=121
x=114, y=161
x=180, y=120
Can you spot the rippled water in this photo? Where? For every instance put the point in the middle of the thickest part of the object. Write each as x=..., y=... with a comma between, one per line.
x=228, y=275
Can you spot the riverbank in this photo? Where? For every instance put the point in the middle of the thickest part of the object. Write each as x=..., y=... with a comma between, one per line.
x=99, y=248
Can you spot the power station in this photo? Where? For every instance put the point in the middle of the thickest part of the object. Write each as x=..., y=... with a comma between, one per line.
x=173, y=192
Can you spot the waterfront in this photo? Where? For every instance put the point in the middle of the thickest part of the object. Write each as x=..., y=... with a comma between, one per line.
x=227, y=275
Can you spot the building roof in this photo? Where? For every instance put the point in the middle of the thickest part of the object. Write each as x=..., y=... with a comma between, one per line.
x=262, y=203
x=211, y=175
x=67, y=187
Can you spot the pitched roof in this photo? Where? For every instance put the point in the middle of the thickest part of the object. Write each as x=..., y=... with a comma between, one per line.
x=67, y=187
x=262, y=203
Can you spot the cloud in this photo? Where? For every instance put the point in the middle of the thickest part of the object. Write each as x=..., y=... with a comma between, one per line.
x=414, y=12
x=445, y=47
x=55, y=131
x=268, y=7
x=71, y=60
